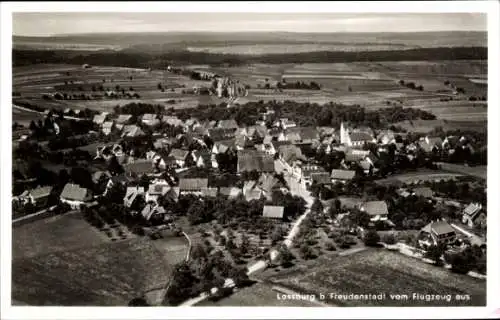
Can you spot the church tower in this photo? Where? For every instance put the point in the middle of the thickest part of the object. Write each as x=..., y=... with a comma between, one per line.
x=344, y=135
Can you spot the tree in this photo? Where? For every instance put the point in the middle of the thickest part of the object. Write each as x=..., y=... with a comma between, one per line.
x=286, y=257
x=181, y=285
x=245, y=244
x=371, y=238
x=114, y=166
x=317, y=206
x=138, y=302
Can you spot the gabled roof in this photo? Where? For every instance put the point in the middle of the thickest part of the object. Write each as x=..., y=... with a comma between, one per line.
x=107, y=125
x=275, y=212
x=218, y=134
x=158, y=188
x=179, y=154
x=172, y=120
x=321, y=178
x=149, y=117
x=423, y=192
x=151, y=209
x=75, y=192
x=473, y=209
x=357, y=136
x=438, y=228
x=99, y=118
x=374, y=208
x=267, y=182
x=139, y=167
x=355, y=155
x=132, y=131
x=40, y=192
x=209, y=192
x=342, y=174
x=123, y=118
x=131, y=194
x=290, y=153
x=250, y=160
x=193, y=184
x=231, y=192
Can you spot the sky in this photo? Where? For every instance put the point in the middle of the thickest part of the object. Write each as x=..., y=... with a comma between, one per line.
x=46, y=23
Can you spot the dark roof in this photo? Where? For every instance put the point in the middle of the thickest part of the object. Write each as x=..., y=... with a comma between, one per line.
x=275, y=212
x=250, y=160
x=41, y=192
x=423, y=192
x=439, y=227
x=321, y=178
x=193, y=184
x=342, y=174
x=75, y=192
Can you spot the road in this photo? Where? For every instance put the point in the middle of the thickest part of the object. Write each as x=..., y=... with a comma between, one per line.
x=297, y=188
x=34, y=111
x=33, y=215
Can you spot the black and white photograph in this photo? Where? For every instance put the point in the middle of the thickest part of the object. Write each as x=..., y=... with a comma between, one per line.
x=241, y=158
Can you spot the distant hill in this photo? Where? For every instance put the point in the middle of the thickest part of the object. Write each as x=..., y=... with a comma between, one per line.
x=182, y=40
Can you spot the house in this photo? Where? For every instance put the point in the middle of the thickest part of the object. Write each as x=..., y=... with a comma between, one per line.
x=150, y=119
x=192, y=185
x=131, y=195
x=377, y=210
x=224, y=146
x=386, y=137
x=353, y=155
x=355, y=137
x=228, y=124
x=435, y=233
x=157, y=188
x=256, y=132
x=37, y=196
x=75, y=196
x=230, y=192
x=180, y=156
x=139, y=167
x=474, y=215
x=191, y=123
x=267, y=183
x=272, y=147
x=321, y=178
x=107, y=127
x=99, y=119
x=172, y=120
x=300, y=135
x=132, y=131
x=423, y=192
x=153, y=210
x=289, y=153
x=252, y=160
x=209, y=192
x=339, y=175
x=273, y=212
x=204, y=159
x=430, y=144
x=123, y=119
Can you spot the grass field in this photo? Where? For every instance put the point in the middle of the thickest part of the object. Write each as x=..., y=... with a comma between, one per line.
x=478, y=171
x=62, y=260
x=257, y=295
x=382, y=272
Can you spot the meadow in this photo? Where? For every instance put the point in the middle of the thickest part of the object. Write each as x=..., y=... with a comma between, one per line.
x=376, y=271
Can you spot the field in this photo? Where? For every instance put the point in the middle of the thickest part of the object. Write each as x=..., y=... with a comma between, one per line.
x=257, y=295
x=369, y=84
x=478, y=171
x=419, y=176
x=49, y=253
x=382, y=272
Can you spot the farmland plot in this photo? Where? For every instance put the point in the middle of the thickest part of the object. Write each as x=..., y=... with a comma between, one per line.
x=383, y=272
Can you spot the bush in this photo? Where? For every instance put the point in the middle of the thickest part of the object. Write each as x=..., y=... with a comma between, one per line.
x=389, y=238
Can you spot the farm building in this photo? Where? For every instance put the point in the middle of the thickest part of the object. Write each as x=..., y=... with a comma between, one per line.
x=273, y=212
x=132, y=131
x=75, y=196
x=192, y=185
x=139, y=167
x=355, y=137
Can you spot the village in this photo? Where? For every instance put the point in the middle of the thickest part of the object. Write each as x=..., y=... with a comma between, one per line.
x=250, y=176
